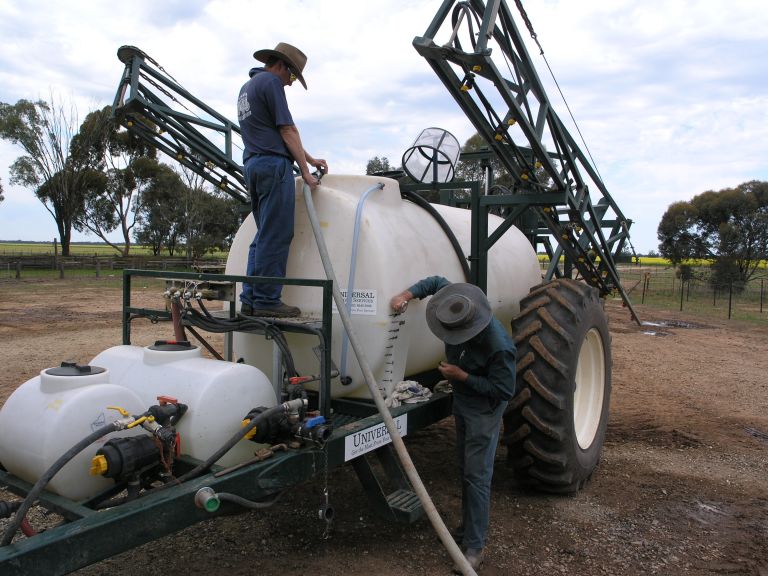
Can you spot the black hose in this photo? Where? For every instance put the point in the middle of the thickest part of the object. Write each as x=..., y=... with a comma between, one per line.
x=219, y=325
x=226, y=447
x=42, y=482
x=240, y=501
x=8, y=508
x=419, y=201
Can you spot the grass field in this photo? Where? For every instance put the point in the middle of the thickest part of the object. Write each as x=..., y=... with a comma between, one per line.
x=83, y=249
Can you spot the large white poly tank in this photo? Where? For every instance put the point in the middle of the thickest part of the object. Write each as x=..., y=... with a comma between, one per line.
x=49, y=414
x=218, y=394
x=399, y=244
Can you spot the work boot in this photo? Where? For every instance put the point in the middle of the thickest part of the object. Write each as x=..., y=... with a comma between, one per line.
x=282, y=310
x=475, y=558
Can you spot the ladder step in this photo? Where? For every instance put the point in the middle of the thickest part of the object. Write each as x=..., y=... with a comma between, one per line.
x=405, y=505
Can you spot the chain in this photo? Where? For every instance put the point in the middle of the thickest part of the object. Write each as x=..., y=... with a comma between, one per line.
x=528, y=24
x=326, y=502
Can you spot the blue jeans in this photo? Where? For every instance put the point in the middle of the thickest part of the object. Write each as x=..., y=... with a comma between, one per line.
x=478, y=421
x=273, y=190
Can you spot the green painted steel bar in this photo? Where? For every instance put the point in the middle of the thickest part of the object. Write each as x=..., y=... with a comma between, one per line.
x=326, y=316
x=65, y=548
x=580, y=234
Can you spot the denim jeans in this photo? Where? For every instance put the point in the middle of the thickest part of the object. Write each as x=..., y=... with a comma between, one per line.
x=273, y=191
x=478, y=421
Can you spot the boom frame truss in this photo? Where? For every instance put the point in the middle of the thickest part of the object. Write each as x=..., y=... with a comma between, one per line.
x=589, y=235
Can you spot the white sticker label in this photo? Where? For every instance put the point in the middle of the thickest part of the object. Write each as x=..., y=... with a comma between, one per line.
x=363, y=301
x=371, y=438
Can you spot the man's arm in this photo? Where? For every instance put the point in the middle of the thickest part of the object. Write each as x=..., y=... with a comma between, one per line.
x=292, y=139
x=422, y=289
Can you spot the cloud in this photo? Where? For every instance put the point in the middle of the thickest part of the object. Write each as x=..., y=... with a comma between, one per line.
x=669, y=95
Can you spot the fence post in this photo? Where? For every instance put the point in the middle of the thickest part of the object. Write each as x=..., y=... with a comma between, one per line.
x=645, y=286
x=98, y=268
x=682, y=293
x=61, y=268
x=730, y=298
x=18, y=269
x=762, y=282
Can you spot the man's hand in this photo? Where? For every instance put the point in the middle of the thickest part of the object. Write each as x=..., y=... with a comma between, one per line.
x=319, y=164
x=310, y=180
x=452, y=372
x=399, y=302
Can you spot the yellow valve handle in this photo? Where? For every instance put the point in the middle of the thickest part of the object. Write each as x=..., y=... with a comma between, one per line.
x=99, y=465
x=123, y=411
x=251, y=433
x=140, y=421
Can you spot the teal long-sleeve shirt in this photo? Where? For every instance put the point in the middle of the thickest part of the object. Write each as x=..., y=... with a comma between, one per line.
x=489, y=358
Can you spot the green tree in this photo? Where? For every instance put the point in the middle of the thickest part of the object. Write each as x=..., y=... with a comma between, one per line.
x=161, y=217
x=44, y=131
x=1, y=191
x=378, y=165
x=729, y=227
x=121, y=166
x=475, y=170
x=213, y=220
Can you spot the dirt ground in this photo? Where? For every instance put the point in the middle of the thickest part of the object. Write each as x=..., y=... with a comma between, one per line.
x=682, y=487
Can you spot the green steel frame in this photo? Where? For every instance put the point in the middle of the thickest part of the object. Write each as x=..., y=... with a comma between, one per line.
x=87, y=535
x=590, y=235
x=200, y=138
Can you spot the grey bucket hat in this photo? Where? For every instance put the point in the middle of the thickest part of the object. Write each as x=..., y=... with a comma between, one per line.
x=458, y=312
x=295, y=58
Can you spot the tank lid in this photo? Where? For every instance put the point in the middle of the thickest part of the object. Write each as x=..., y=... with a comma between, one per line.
x=74, y=369
x=172, y=345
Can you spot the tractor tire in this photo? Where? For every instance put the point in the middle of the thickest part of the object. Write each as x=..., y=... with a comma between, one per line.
x=554, y=427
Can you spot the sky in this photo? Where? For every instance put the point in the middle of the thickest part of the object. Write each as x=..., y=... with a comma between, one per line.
x=671, y=96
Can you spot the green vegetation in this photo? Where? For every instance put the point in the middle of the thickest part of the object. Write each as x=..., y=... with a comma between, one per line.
x=82, y=249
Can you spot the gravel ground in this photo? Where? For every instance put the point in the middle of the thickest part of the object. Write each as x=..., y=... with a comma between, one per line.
x=681, y=488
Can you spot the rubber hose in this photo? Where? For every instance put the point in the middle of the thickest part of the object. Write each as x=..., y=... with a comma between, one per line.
x=239, y=435
x=240, y=501
x=419, y=201
x=370, y=380
x=42, y=482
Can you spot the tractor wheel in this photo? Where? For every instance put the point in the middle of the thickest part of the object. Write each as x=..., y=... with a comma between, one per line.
x=555, y=425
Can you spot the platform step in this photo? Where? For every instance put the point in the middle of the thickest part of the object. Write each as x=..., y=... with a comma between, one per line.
x=405, y=505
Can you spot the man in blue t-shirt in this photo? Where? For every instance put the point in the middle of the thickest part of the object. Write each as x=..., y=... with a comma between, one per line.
x=272, y=144
x=481, y=369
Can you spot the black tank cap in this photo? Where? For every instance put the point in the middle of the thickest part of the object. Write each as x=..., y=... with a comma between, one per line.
x=172, y=345
x=75, y=369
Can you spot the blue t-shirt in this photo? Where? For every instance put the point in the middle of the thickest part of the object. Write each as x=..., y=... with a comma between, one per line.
x=261, y=110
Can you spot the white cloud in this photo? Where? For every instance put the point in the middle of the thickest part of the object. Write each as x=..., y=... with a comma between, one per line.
x=670, y=95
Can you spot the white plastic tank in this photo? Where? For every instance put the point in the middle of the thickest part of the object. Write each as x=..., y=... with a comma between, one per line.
x=399, y=244
x=49, y=414
x=218, y=394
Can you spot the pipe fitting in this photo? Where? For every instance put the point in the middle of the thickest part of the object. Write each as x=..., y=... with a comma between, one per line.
x=326, y=512
x=207, y=499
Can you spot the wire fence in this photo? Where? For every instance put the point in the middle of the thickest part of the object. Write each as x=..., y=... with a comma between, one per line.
x=663, y=288
x=45, y=266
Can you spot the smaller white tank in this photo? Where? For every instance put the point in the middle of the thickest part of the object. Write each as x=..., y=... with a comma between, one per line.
x=49, y=414
x=218, y=394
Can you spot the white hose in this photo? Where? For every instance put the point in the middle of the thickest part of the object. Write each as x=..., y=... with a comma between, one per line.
x=397, y=442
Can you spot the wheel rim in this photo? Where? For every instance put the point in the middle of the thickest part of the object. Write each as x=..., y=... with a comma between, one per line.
x=590, y=389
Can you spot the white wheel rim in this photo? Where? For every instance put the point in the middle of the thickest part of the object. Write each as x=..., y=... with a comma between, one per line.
x=590, y=389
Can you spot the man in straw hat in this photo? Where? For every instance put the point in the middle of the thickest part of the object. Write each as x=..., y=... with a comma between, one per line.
x=481, y=369
x=272, y=144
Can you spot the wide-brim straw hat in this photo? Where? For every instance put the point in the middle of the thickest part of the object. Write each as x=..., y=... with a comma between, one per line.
x=295, y=58
x=458, y=312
